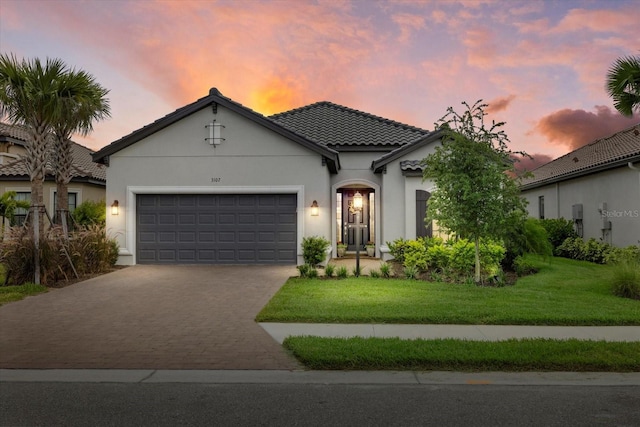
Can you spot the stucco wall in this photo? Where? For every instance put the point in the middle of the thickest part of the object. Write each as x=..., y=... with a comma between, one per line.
x=399, y=197
x=251, y=159
x=618, y=188
x=85, y=191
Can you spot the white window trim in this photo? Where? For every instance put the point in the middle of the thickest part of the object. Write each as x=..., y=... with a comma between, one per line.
x=133, y=191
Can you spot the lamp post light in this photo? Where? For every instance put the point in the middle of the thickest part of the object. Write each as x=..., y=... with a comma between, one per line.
x=357, y=208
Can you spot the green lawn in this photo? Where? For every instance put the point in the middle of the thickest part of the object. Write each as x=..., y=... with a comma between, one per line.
x=563, y=292
x=16, y=293
x=444, y=355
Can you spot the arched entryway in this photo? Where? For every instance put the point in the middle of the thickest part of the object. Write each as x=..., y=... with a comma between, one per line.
x=346, y=224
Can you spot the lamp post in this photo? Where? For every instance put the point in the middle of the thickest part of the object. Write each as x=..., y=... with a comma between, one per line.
x=357, y=208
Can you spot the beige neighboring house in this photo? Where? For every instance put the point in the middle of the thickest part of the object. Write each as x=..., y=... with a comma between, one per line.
x=596, y=186
x=88, y=178
x=215, y=182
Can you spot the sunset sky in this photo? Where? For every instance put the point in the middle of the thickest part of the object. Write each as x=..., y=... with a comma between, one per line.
x=541, y=65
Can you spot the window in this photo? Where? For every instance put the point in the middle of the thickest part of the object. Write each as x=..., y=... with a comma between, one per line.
x=541, y=207
x=21, y=214
x=73, y=199
x=423, y=229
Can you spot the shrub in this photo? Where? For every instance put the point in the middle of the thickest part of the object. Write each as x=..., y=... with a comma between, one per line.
x=591, y=250
x=397, y=248
x=463, y=255
x=523, y=267
x=558, y=230
x=312, y=273
x=626, y=279
x=374, y=273
x=89, y=250
x=411, y=272
x=536, y=238
x=314, y=249
x=90, y=213
x=415, y=254
x=385, y=270
x=92, y=250
x=595, y=251
x=438, y=257
x=329, y=270
x=572, y=247
x=304, y=270
x=342, y=272
x=616, y=255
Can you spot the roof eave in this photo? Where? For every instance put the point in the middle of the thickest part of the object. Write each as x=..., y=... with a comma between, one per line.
x=379, y=164
x=582, y=172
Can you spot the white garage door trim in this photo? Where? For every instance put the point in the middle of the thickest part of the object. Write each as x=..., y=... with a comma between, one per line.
x=132, y=191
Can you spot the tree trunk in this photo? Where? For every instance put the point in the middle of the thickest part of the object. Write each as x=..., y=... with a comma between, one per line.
x=36, y=162
x=62, y=202
x=64, y=164
x=477, y=277
x=37, y=222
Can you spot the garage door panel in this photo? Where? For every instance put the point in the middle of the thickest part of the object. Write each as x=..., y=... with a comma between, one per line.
x=216, y=228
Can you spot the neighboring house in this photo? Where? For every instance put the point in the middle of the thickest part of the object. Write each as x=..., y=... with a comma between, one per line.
x=596, y=186
x=88, y=181
x=215, y=182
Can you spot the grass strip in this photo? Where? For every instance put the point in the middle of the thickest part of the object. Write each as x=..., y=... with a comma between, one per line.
x=563, y=292
x=16, y=293
x=461, y=355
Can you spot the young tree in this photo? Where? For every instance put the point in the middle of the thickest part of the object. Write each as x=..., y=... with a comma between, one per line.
x=83, y=101
x=623, y=84
x=476, y=195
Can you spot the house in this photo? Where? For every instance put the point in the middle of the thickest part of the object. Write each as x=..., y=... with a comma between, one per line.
x=88, y=180
x=215, y=182
x=596, y=186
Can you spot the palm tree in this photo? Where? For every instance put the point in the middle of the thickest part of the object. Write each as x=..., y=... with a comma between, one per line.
x=623, y=84
x=82, y=102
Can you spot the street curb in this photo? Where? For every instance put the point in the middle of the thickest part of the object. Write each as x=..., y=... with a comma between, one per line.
x=149, y=376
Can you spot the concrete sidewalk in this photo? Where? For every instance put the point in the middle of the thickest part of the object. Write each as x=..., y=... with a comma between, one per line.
x=279, y=331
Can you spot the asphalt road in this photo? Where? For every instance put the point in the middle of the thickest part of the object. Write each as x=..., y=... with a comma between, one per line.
x=205, y=404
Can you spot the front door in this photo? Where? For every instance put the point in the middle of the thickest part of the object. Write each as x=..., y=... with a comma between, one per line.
x=353, y=223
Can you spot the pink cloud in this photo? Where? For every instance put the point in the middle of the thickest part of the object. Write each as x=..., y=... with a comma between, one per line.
x=499, y=104
x=408, y=23
x=600, y=20
x=537, y=26
x=481, y=46
x=575, y=128
x=524, y=163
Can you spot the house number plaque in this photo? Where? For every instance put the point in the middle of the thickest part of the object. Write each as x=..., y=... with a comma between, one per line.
x=218, y=179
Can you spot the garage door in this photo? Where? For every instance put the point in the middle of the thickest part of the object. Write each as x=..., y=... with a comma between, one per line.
x=216, y=229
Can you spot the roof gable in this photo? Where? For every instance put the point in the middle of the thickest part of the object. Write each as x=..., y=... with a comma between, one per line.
x=214, y=99
x=343, y=128
x=601, y=154
x=379, y=164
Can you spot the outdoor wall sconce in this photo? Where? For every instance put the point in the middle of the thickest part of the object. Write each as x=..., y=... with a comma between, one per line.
x=215, y=133
x=115, y=208
x=314, y=208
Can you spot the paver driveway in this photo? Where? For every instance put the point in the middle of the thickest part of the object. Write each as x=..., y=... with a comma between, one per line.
x=148, y=317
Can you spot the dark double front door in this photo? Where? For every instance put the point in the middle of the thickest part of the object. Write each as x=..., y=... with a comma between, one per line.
x=353, y=223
